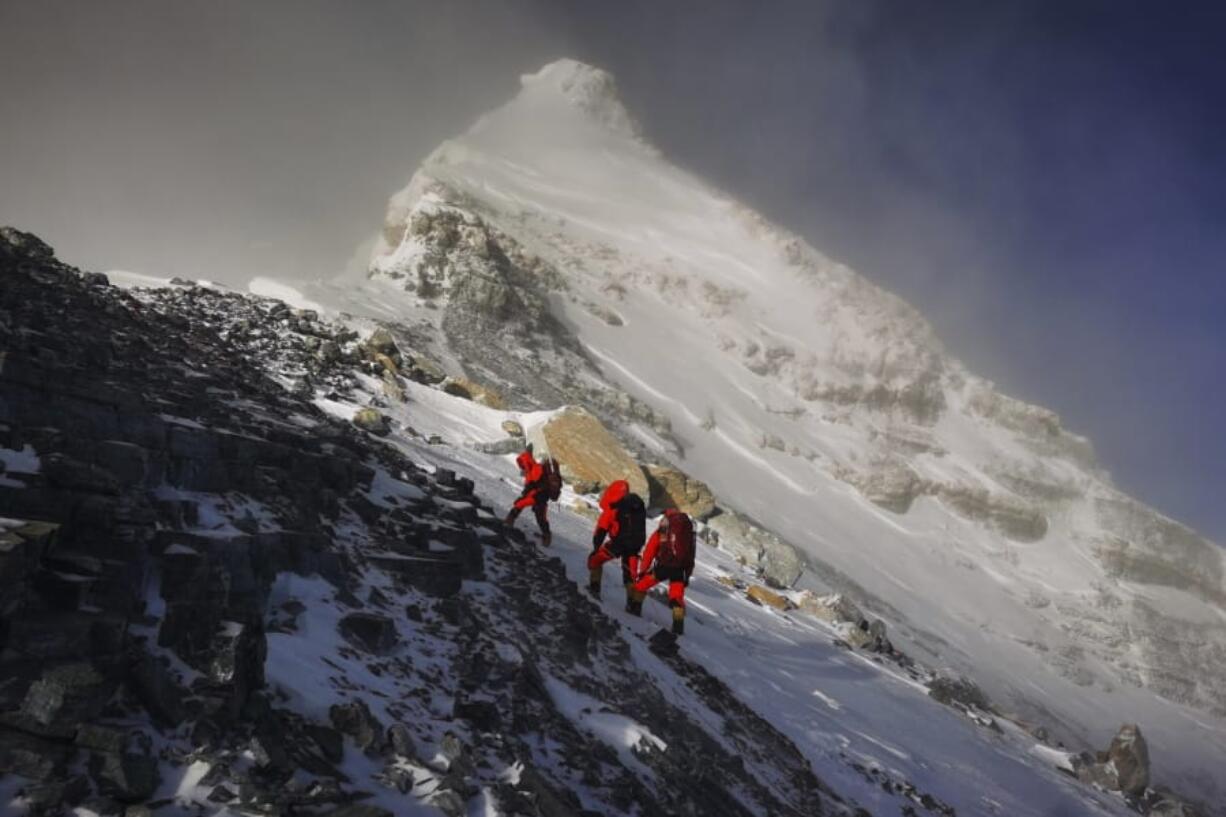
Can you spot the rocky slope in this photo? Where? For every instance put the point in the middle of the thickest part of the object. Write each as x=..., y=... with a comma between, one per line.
x=215, y=596
x=817, y=407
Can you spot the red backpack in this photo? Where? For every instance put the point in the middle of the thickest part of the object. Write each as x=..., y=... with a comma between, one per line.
x=552, y=479
x=677, y=549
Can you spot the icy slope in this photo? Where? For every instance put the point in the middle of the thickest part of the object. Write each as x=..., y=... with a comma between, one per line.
x=817, y=404
x=869, y=729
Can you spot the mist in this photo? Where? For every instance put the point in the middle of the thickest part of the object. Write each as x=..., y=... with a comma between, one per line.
x=1042, y=182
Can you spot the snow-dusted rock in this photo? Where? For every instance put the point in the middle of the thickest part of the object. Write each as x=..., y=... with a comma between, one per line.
x=779, y=562
x=834, y=607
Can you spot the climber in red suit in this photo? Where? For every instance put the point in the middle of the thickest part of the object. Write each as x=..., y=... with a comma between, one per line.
x=669, y=557
x=619, y=534
x=533, y=495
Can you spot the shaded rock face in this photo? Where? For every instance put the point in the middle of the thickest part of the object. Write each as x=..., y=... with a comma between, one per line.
x=590, y=456
x=1151, y=549
x=1037, y=427
x=894, y=485
x=780, y=563
x=673, y=488
x=1013, y=518
x=891, y=483
x=1146, y=548
x=453, y=254
x=437, y=245
x=951, y=691
x=921, y=401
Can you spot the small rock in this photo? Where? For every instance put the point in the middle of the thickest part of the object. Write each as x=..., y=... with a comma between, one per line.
x=1129, y=754
x=392, y=388
x=663, y=643
x=452, y=747
x=356, y=720
x=370, y=631
x=65, y=696
x=471, y=390
x=401, y=740
x=834, y=608
x=330, y=742
x=369, y=419
x=450, y=803
x=958, y=690
x=512, y=428
x=401, y=779
x=328, y=352
x=127, y=777
x=381, y=342
x=769, y=598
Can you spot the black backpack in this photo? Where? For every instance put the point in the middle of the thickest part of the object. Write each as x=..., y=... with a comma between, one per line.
x=631, y=524
x=552, y=479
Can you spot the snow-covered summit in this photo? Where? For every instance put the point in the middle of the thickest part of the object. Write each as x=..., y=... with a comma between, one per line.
x=591, y=90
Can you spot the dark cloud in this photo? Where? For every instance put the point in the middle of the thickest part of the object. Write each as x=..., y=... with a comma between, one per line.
x=1043, y=179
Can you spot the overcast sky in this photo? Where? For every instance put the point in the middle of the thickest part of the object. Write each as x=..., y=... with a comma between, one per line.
x=1045, y=180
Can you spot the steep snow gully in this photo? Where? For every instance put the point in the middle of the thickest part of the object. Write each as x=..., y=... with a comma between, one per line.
x=251, y=556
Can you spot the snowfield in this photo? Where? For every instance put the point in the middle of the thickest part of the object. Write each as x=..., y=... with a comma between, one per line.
x=857, y=720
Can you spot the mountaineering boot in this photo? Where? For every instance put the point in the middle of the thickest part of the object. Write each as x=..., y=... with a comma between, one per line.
x=678, y=619
x=546, y=538
x=634, y=602
x=509, y=520
x=593, y=582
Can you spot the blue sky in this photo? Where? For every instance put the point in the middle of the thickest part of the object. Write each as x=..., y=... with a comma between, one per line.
x=1044, y=180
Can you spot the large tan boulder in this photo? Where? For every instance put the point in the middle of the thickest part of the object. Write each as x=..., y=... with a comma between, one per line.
x=590, y=456
x=673, y=488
